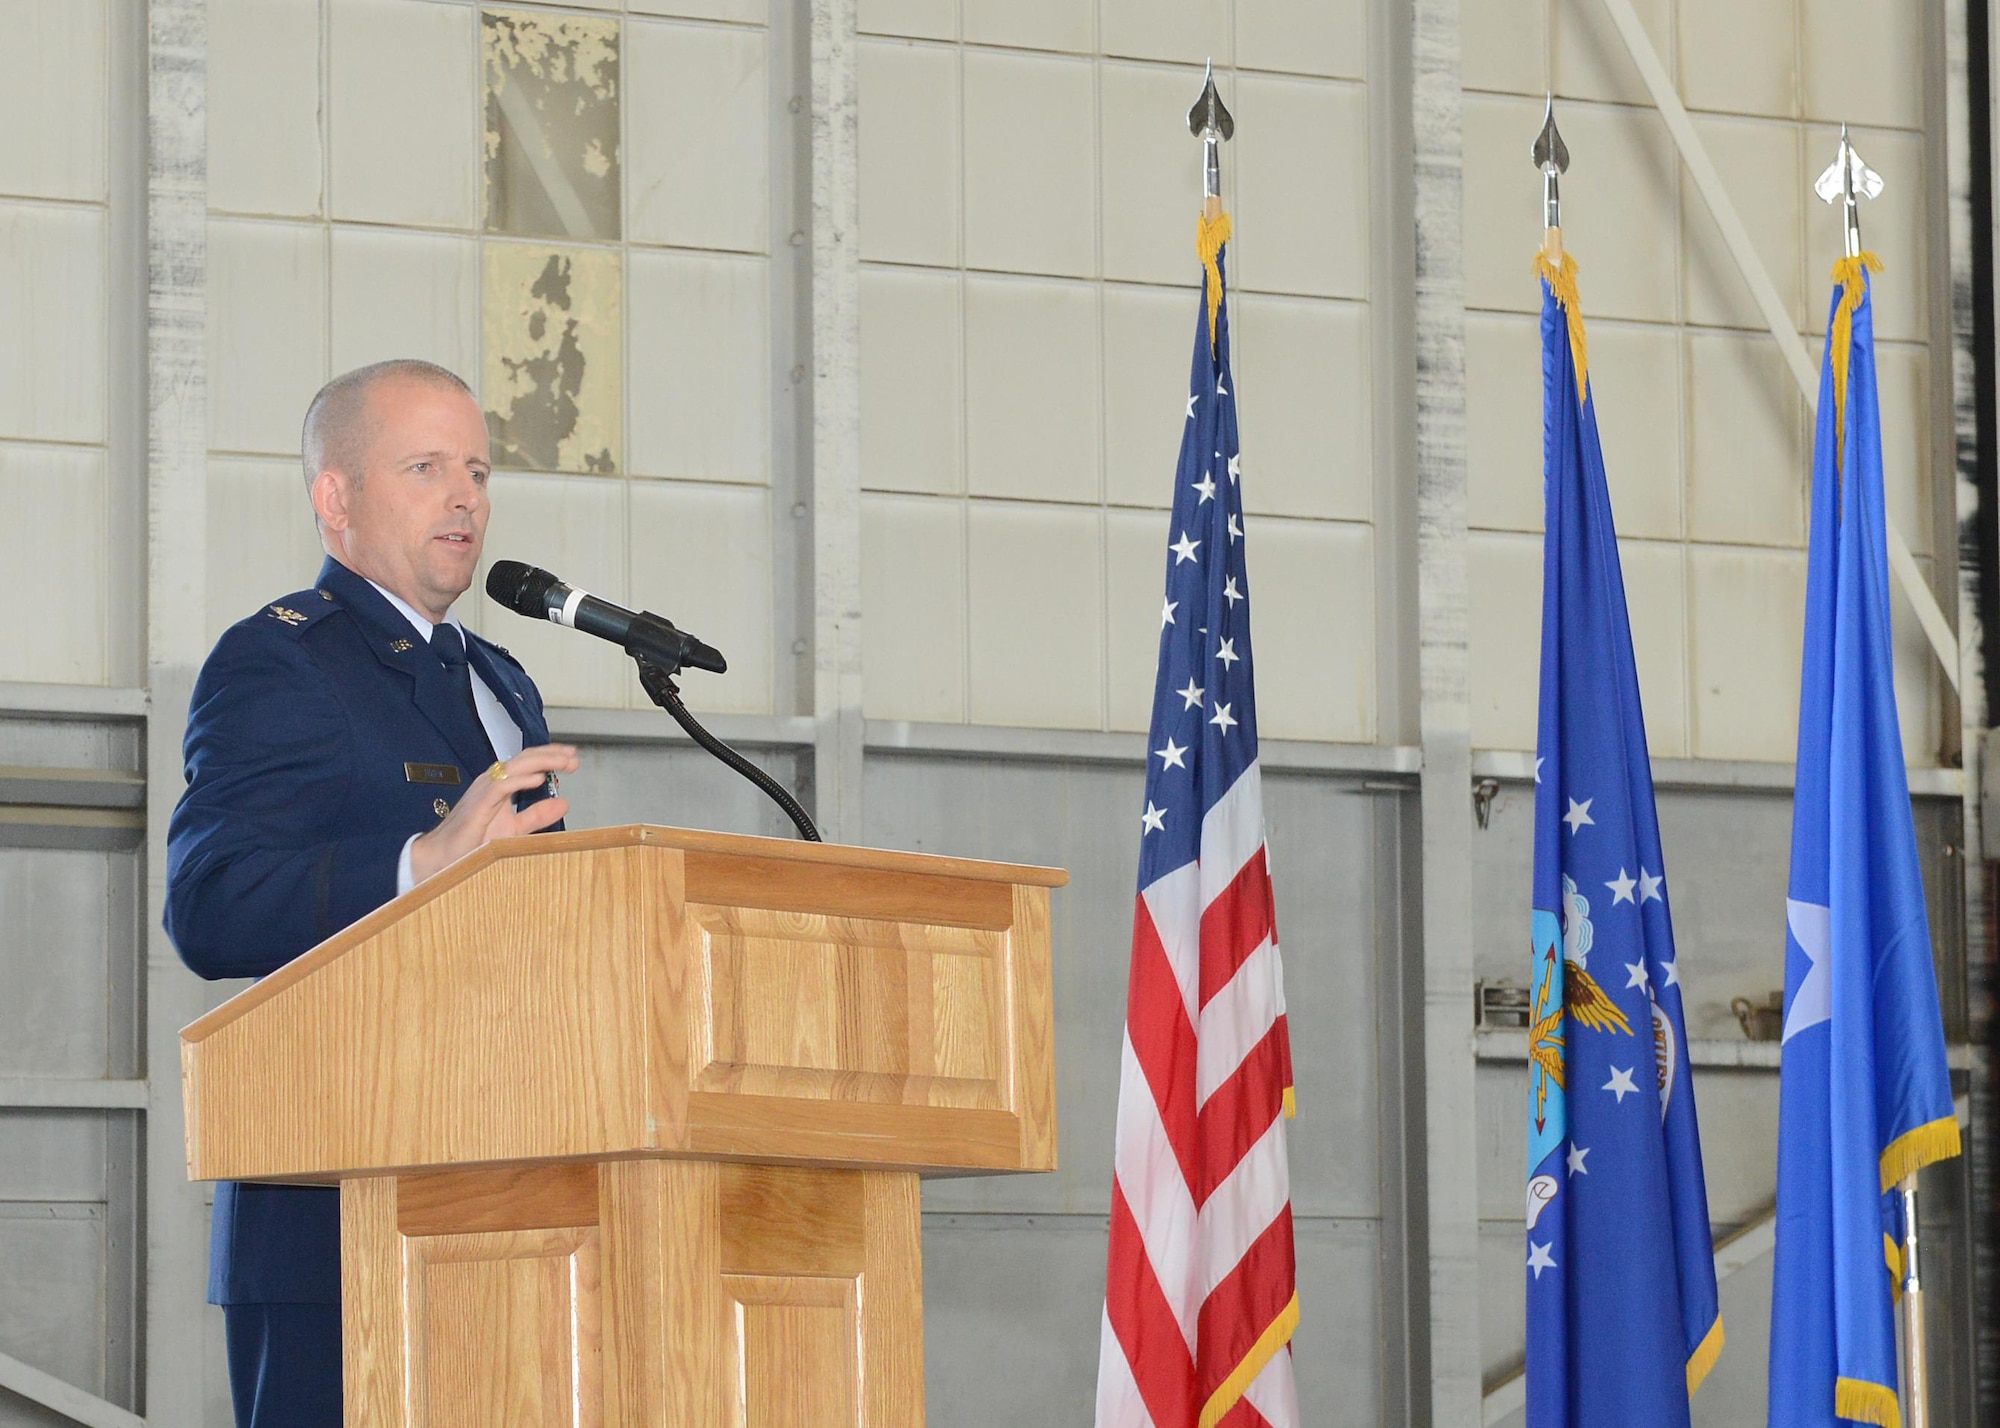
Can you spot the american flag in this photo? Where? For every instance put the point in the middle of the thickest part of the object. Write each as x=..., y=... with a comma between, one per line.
x=1201, y=1290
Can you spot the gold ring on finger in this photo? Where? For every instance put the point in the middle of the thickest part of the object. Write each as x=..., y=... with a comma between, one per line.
x=499, y=771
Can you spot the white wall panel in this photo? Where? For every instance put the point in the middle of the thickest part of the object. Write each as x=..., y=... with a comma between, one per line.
x=1031, y=24
x=1327, y=37
x=699, y=384
x=1149, y=336
x=1151, y=174
x=1590, y=58
x=1503, y=210
x=401, y=294
x=701, y=556
x=1656, y=609
x=1635, y=383
x=576, y=526
x=404, y=111
x=909, y=153
x=1312, y=611
x=1863, y=62
x=741, y=12
x=1180, y=31
x=1749, y=462
x=1306, y=406
x=262, y=541
x=266, y=332
x=52, y=322
x=1035, y=615
x=1030, y=164
x=913, y=626
x=1503, y=422
x=1302, y=221
x=1760, y=168
x=1503, y=586
x=920, y=19
x=711, y=194
x=1740, y=58
x=1746, y=622
x=1031, y=389
x=57, y=538
x=264, y=107
x=1622, y=224
x=1135, y=564
x=52, y=107
x=1504, y=47
x=1903, y=384
x=912, y=381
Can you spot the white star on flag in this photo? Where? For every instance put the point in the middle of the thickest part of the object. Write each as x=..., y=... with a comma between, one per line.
x=1576, y=1155
x=1191, y=696
x=1621, y=887
x=1578, y=815
x=1170, y=756
x=1650, y=885
x=1539, y=1258
x=1154, y=819
x=1220, y=391
x=1673, y=971
x=1235, y=529
x=1206, y=486
x=1538, y=769
x=1235, y=466
x=1184, y=549
x=1812, y=928
x=1227, y=653
x=1229, y=590
x=1167, y=613
x=1620, y=1083
x=1191, y=402
x=1223, y=719
x=1636, y=974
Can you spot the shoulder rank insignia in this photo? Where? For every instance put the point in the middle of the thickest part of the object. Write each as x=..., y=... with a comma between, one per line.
x=398, y=646
x=290, y=617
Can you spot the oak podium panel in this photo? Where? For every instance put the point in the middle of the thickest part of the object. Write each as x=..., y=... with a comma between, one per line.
x=628, y=1123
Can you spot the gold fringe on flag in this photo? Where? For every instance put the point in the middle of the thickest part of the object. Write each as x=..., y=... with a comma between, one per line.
x=1852, y=276
x=1914, y=1149
x=1209, y=236
x=1267, y=1347
x=1892, y=1253
x=1562, y=282
x=1866, y=1402
x=1703, y=1359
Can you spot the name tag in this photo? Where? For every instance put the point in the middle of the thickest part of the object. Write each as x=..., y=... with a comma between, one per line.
x=431, y=773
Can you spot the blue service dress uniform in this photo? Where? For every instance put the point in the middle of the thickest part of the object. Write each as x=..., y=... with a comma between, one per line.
x=322, y=734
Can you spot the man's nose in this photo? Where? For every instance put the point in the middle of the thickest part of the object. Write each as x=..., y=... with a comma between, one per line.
x=465, y=490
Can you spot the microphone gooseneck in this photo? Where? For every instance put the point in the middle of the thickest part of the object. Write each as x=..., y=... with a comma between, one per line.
x=660, y=649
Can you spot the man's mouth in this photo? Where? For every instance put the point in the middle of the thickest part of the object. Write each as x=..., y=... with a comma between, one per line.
x=457, y=537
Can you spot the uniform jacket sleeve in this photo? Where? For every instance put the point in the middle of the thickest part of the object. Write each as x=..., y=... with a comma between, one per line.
x=255, y=872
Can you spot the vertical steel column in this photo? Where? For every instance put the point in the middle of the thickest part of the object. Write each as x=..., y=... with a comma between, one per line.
x=836, y=421
x=176, y=482
x=1451, y=1169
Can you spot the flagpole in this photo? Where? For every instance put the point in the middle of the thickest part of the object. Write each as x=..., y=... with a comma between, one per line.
x=1210, y=122
x=1846, y=181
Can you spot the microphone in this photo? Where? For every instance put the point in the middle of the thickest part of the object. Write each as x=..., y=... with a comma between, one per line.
x=534, y=592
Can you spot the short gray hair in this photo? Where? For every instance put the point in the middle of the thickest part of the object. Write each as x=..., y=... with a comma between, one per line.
x=337, y=425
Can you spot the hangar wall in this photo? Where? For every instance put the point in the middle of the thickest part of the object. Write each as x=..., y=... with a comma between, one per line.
x=885, y=405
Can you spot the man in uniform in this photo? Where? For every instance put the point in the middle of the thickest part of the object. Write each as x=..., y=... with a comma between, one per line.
x=343, y=744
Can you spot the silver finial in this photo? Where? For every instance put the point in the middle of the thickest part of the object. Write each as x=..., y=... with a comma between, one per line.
x=1211, y=123
x=1846, y=181
x=1551, y=156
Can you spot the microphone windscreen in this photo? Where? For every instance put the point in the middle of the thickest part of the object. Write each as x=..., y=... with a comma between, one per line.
x=523, y=589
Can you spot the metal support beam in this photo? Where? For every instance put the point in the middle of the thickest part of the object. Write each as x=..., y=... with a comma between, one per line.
x=1923, y=601
x=1450, y=1172
x=836, y=420
x=71, y=1093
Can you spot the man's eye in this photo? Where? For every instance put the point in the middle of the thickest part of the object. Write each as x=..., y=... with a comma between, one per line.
x=479, y=477
x=422, y=466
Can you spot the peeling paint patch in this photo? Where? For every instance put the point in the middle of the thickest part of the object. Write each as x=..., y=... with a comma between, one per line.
x=554, y=368
x=551, y=129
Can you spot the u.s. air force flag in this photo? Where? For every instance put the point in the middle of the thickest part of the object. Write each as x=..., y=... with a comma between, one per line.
x=1865, y=1097
x=1622, y=1315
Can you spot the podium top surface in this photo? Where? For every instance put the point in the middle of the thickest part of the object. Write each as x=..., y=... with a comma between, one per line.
x=641, y=990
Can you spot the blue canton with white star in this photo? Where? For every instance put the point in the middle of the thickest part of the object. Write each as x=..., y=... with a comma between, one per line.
x=1204, y=732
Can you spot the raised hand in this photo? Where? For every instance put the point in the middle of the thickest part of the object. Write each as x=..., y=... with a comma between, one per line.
x=487, y=810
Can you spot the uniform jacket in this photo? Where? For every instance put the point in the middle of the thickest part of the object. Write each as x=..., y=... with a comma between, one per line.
x=322, y=733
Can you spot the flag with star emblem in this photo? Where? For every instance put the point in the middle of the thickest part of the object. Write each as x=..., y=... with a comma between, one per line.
x=1623, y=1321
x=1864, y=1095
x=1200, y=1293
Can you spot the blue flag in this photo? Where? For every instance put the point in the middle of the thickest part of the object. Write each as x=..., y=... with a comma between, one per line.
x=1622, y=1315
x=1864, y=1097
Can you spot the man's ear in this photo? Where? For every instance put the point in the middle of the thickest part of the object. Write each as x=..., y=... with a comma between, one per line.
x=330, y=500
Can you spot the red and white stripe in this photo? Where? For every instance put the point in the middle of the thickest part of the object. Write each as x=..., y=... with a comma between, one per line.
x=1201, y=1295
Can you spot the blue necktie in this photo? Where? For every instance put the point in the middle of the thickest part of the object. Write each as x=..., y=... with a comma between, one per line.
x=449, y=647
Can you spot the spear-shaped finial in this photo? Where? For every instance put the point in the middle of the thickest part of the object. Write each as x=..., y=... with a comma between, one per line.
x=1846, y=181
x=1210, y=122
x=1551, y=156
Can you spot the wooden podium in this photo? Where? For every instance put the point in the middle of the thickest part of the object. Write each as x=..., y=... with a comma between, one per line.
x=628, y=1123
